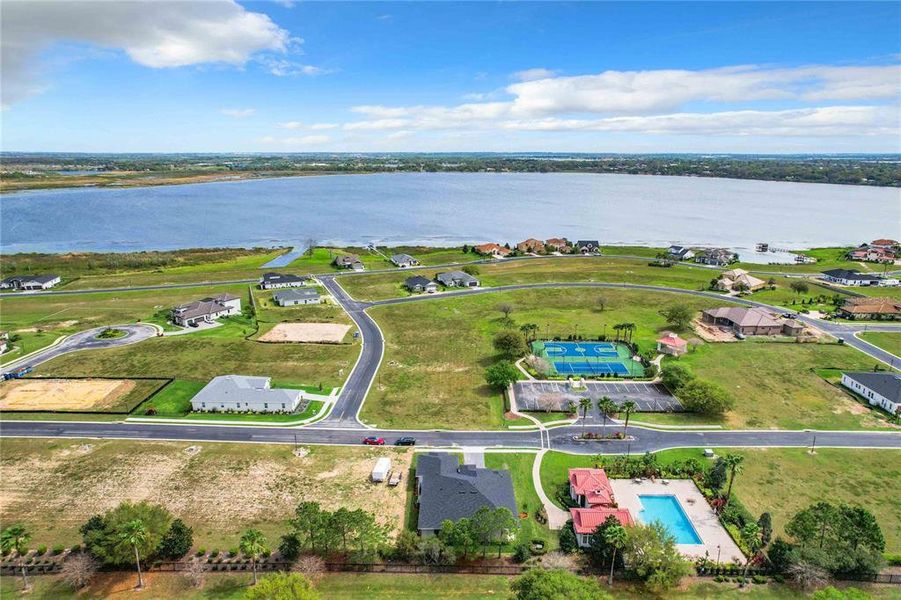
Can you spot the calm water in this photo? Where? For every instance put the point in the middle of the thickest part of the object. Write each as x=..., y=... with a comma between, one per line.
x=666, y=509
x=450, y=209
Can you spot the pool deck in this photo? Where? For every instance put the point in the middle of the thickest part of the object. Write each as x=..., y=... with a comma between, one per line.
x=703, y=519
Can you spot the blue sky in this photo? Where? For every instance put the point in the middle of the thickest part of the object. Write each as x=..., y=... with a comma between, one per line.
x=300, y=77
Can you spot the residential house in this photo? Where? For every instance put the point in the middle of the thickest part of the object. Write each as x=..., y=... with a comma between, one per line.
x=492, y=249
x=558, y=244
x=274, y=281
x=680, y=252
x=879, y=389
x=530, y=245
x=242, y=393
x=853, y=279
x=587, y=520
x=588, y=246
x=457, y=279
x=873, y=254
x=736, y=280
x=348, y=261
x=745, y=320
x=206, y=310
x=884, y=243
x=295, y=297
x=672, y=344
x=30, y=282
x=591, y=490
x=420, y=284
x=404, y=260
x=447, y=490
x=871, y=307
x=716, y=256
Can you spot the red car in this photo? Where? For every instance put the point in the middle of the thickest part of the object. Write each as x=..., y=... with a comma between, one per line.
x=374, y=441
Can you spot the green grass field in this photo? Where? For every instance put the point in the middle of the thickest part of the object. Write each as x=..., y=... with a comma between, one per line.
x=785, y=480
x=527, y=501
x=437, y=350
x=26, y=343
x=885, y=340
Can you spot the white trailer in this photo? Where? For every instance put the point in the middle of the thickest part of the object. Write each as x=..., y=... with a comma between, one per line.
x=381, y=469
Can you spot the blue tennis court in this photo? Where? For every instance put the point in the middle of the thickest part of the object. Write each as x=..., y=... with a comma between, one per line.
x=591, y=368
x=581, y=349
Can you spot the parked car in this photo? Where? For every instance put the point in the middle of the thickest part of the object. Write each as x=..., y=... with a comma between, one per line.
x=405, y=441
x=788, y=315
x=374, y=441
x=739, y=336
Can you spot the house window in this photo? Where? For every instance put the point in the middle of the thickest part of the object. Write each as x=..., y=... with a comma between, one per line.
x=203, y=404
x=265, y=405
x=283, y=405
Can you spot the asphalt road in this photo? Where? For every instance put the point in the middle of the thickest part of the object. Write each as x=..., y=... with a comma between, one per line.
x=561, y=438
x=84, y=340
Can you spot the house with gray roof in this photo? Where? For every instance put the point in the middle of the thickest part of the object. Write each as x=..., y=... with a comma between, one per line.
x=420, y=284
x=348, y=261
x=588, y=246
x=295, y=297
x=879, y=389
x=680, y=252
x=719, y=257
x=854, y=279
x=29, y=282
x=404, y=260
x=206, y=310
x=274, y=281
x=241, y=393
x=457, y=279
x=447, y=490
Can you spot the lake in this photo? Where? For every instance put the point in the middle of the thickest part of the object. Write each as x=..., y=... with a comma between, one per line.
x=439, y=209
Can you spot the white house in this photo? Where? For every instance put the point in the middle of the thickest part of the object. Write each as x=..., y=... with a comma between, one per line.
x=404, y=260
x=242, y=393
x=30, y=282
x=879, y=389
x=274, y=281
x=295, y=297
x=853, y=279
x=206, y=310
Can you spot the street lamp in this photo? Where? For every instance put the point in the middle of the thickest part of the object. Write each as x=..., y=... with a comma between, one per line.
x=717, y=555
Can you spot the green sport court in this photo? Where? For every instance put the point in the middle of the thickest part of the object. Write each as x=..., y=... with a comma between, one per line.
x=590, y=359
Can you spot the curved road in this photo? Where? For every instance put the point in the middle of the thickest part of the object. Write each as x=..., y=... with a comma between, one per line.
x=84, y=340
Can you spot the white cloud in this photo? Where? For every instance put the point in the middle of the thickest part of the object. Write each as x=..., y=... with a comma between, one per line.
x=283, y=67
x=304, y=140
x=238, y=113
x=323, y=126
x=312, y=127
x=161, y=34
x=533, y=74
x=290, y=125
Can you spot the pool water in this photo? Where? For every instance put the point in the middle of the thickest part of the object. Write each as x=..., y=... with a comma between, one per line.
x=668, y=511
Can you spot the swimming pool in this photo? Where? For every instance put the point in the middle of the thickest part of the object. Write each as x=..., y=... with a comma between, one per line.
x=668, y=511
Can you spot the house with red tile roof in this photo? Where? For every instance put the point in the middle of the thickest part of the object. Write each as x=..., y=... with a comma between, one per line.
x=558, y=244
x=530, y=245
x=590, y=487
x=492, y=249
x=587, y=520
x=884, y=243
x=672, y=344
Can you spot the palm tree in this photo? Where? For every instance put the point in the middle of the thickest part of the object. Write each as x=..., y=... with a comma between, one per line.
x=618, y=328
x=627, y=407
x=733, y=463
x=629, y=328
x=135, y=533
x=615, y=536
x=585, y=405
x=16, y=537
x=750, y=535
x=253, y=544
x=608, y=407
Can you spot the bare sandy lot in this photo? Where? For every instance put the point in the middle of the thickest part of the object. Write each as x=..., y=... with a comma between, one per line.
x=306, y=332
x=63, y=394
x=54, y=486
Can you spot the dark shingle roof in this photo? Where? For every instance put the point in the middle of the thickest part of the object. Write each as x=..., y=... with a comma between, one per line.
x=850, y=275
x=887, y=385
x=453, y=491
x=282, y=278
x=417, y=280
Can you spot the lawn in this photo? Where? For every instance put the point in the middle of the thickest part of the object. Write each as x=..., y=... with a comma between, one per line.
x=775, y=385
x=527, y=501
x=269, y=312
x=437, y=350
x=885, y=340
x=54, y=486
x=784, y=480
x=26, y=342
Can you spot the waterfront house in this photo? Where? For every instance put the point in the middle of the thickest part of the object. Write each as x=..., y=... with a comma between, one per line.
x=404, y=261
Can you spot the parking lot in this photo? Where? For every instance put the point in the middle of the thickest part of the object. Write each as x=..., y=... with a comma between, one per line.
x=554, y=395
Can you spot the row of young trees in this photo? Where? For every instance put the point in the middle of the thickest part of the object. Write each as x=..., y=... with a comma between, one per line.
x=322, y=532
x=459, y=539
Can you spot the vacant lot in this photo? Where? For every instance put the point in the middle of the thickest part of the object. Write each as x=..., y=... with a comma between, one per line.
x=887, y=341
x=66, y=394
x=775, y=384
x=437, y=350
x=55, y=486
x=785, y=480
x=329, y=333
